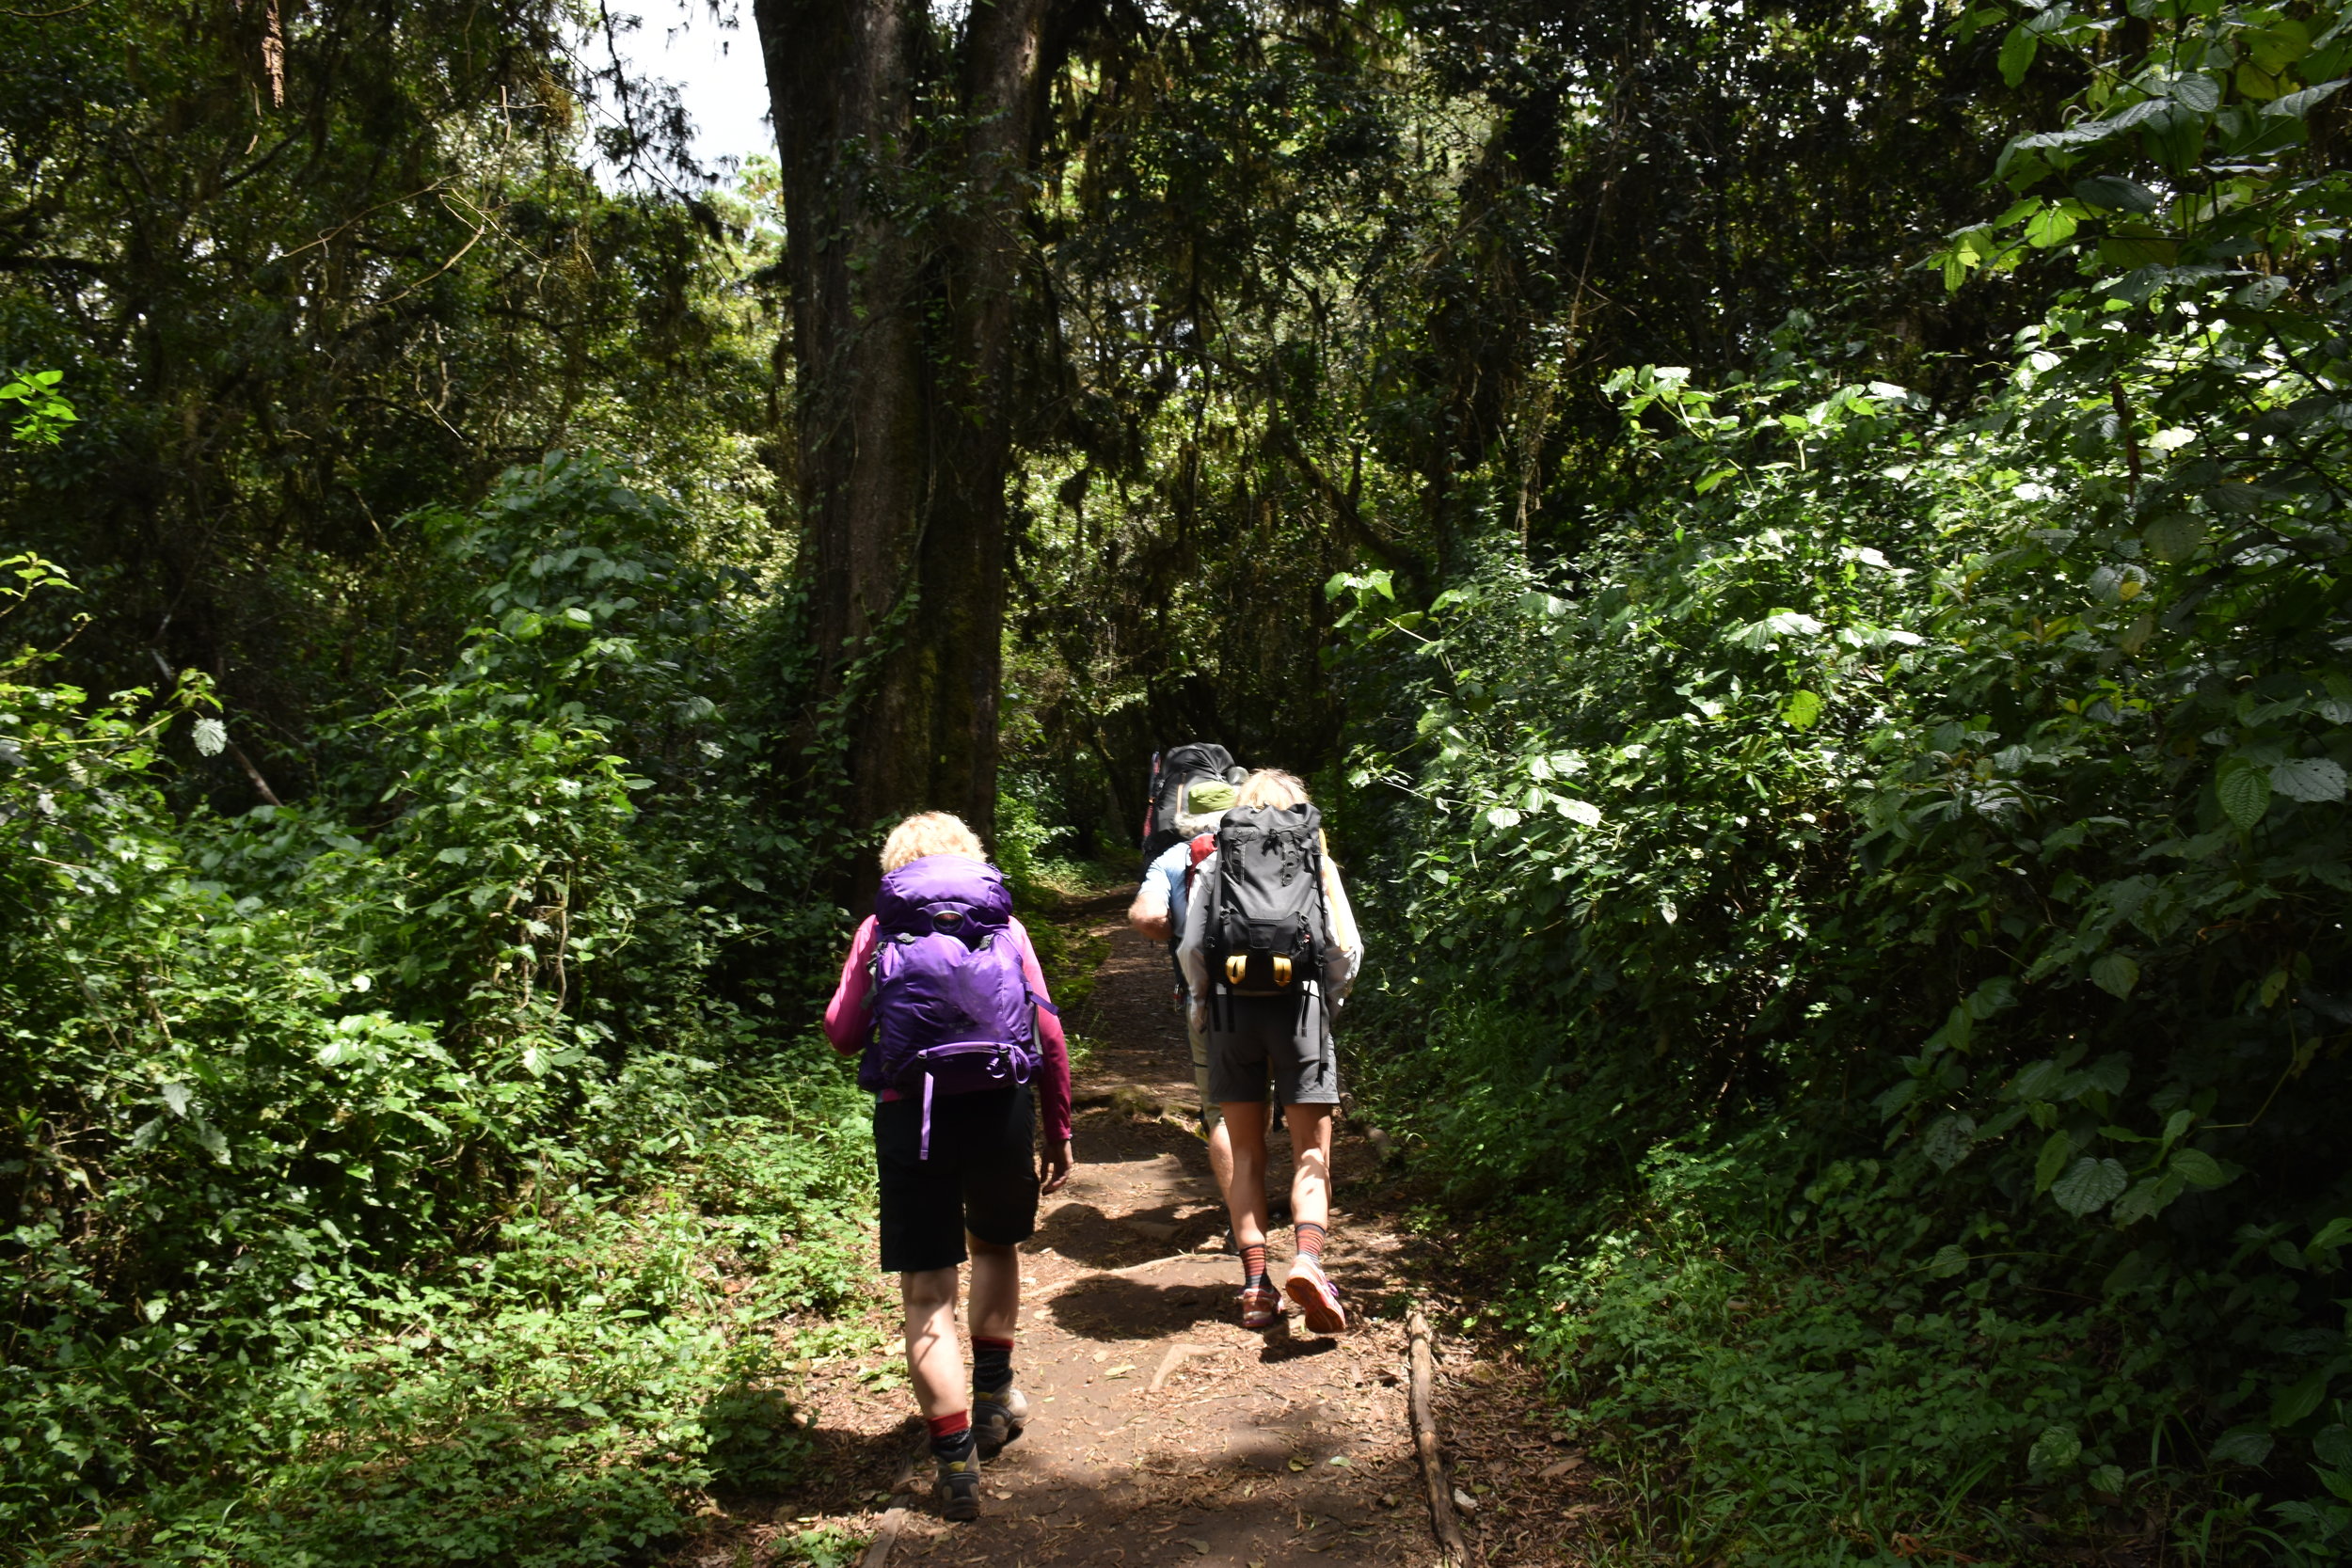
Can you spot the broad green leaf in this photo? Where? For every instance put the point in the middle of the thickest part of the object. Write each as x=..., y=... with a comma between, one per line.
x=2053, y=225
x=2197, y=1169
x=2300, y=1398
x=2196, y=92
x=2294, y=105
x=2150, y=1195
x=1949, y=1140
x=2176, y=1124
x=2244, y=791
x=2334, y=1444
x=2112, y=192
x=2255, y=83
x=2037, y=1080
x=2335, y=1233
x=2056, y=1449
x=2245, y=1445
x=2108, y=1075
x=2017, y=53
x=2175, y=536
x=2115, y=974
x=2055, y=1153
x=2090, y=1185
x=1803, y=710
x=1582, y=813
x=2313, y=779
x=1502, y=816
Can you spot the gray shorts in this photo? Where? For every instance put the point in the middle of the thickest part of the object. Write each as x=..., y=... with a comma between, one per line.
x=1253, y=1037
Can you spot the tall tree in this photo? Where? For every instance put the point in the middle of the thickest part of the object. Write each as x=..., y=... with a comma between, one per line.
x=906, y=146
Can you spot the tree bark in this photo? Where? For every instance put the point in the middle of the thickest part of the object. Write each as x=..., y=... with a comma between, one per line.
x=903, y=339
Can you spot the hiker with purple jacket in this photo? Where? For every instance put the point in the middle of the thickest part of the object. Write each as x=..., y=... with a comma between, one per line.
x=942, y=994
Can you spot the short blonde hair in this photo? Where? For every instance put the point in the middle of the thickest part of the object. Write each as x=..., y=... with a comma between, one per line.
x=929, y=833
x=1271, y=786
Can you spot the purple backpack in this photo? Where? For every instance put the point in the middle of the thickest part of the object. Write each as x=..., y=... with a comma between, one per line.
x=951, y=1006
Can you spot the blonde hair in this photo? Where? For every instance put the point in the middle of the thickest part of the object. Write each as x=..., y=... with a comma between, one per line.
x=929, y=833
x=1271, y=786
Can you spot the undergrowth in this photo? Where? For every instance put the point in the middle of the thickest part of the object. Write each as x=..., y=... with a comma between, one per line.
x=428, y=1172
x=1867, y=927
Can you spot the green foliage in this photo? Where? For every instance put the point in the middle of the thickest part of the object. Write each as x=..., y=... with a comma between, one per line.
x=385, y=1181
x=1934, y=829
x=302, y=296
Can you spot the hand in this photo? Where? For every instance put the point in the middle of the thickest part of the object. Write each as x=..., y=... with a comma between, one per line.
x=1058, y=1160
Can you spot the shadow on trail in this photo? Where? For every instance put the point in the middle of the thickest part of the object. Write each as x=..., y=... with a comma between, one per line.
x=1111, y=1308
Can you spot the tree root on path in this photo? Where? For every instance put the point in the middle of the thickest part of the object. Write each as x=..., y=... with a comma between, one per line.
x=893, y=1521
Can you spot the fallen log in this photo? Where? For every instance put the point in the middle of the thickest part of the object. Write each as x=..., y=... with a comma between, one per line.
x=1443, y=1523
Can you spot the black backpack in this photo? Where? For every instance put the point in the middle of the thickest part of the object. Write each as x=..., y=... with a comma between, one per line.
x=1199, y=762
x=1266, y=928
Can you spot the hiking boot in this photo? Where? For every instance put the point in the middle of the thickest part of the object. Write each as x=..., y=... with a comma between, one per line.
x=1318, y=1301
x=997, y=1419
x=1261, y=1307
x=958, y=1488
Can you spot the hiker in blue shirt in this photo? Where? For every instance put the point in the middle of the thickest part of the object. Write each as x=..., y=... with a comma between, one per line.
x=1158, y=912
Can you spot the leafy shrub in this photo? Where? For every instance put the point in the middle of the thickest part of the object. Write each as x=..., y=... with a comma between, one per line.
x=1939, y=824
x=386, y=1181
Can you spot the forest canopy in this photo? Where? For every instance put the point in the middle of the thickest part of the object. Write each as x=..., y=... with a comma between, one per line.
x=1801, y=546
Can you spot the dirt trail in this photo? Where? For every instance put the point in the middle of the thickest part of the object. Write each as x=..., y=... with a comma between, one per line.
x=1160, y=1431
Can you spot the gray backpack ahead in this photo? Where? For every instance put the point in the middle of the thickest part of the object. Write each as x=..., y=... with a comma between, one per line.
x=1267, y=927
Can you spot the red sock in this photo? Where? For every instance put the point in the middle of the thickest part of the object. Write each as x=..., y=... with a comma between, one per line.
x=1311, y=1241
x=1252, y=1263
x=951, y=1435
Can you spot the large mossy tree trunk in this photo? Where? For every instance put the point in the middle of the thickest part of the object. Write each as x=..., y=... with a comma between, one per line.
x=905, y=159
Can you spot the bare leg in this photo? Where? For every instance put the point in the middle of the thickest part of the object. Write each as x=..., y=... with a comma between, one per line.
x=1221, y=1141
x=995, y=1311
x=1311, y=1159
x=1222, y=1155
x=1244, y=1177
x=934, y=1360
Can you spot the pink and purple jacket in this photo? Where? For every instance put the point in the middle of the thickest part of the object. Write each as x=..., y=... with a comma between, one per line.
x=850, y=1020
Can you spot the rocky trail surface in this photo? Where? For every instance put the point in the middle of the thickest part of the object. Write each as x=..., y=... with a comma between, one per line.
x=1160, y=1431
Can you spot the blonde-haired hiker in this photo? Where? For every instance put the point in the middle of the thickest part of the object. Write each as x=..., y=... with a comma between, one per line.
x=1270, y=949
x=943, y=993
x=1158, y=912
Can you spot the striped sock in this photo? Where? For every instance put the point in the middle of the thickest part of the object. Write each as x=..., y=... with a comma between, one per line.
x=1310, y=1237
x=951, y=1435
x=1252, y=1264
x=992, y=1365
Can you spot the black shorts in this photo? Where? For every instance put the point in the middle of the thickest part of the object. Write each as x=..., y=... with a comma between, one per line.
x=981, y=1175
